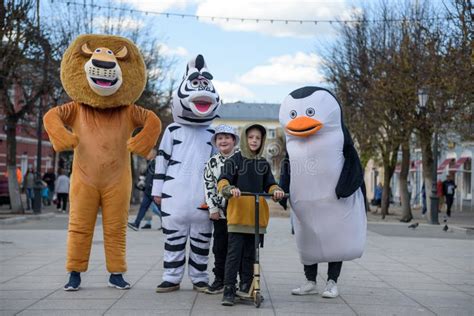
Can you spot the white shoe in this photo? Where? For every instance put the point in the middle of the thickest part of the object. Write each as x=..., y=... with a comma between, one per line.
x=331, y=290
x=308, y=288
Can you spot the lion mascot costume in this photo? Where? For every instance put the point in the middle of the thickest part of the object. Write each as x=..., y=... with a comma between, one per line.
x=103, y=75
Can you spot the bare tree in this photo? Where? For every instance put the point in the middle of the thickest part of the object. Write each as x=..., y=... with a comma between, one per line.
x=377, y=68
x=24, y=58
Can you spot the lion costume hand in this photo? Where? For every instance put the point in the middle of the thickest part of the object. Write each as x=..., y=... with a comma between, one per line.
x=54, y=121
x=141, y=143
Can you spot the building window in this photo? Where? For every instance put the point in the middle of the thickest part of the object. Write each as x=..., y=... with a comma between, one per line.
x=271, y=133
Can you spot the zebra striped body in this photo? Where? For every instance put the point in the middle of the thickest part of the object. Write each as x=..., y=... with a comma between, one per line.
x=184, y=150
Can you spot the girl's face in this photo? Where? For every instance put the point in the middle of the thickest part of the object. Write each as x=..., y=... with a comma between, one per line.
x=225, y=143
x=254, y=139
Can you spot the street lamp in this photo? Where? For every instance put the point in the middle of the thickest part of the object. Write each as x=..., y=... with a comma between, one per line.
x=423, y=99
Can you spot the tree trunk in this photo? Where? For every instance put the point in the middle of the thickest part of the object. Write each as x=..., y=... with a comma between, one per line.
x=427, y=157
x=13, y=186
x=387, y=176
x=404, y=194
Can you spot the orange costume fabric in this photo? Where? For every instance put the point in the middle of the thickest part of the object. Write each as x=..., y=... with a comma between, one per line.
x=104, y=76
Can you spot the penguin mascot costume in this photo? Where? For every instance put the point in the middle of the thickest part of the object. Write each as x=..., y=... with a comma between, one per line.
x=178, y=181
x=325, y=180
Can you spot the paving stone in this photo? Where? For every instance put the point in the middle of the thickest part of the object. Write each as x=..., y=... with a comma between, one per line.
x=397, y=275
x=73, y=304
x=61, y=312
x=15, y=304
x=393, y=310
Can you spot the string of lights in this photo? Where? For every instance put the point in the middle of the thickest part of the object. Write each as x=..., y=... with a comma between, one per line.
x=241, y=19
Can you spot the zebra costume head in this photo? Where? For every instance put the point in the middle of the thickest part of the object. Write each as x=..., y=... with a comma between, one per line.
x=195, y=102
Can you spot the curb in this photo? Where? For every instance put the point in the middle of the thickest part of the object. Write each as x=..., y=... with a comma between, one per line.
x=21, y=219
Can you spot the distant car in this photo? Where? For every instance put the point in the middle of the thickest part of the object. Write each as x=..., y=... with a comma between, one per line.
x=4, y=194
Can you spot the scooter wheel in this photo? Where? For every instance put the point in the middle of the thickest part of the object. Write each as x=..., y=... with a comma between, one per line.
x=258, y=299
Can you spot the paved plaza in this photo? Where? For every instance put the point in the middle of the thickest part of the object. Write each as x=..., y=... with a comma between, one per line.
x=425, y=271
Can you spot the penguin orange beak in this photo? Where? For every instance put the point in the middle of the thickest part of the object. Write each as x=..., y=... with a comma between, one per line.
x=303, y=126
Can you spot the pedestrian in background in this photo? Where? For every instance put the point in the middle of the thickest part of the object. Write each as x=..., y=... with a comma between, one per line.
x=448, y=190
x=62, y=190
x=423, y=201
x=147, y=199
x=28, y=187
x=440, y=194
x=378, y=197
x=50, y=177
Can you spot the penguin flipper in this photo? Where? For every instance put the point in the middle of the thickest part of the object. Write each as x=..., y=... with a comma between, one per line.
x=352, y=174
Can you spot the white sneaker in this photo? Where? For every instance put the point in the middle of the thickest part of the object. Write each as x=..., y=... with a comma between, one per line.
x=308, y=288
x=331, y=290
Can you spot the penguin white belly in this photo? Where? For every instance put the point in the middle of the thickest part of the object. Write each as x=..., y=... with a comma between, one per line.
x=327, y=229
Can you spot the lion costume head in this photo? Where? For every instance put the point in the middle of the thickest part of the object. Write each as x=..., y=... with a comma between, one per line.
x=103, y=71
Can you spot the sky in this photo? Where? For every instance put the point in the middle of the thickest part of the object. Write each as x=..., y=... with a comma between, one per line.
x=250, y=62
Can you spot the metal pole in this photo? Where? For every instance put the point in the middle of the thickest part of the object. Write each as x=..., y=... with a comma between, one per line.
x=434, y=191
x=257, y=228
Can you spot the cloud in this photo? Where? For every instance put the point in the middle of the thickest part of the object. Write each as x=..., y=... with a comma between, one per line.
x=299, y=68
x=232, y=92
x=296, y=10
x=173, y=51
x=156, y=5
x=123, y=23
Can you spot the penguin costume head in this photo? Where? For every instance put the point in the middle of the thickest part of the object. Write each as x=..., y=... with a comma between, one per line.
x=312, y=118
x=308, y=111
x=196, y=101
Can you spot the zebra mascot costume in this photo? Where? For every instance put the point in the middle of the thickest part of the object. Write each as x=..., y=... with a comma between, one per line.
x=184, y=150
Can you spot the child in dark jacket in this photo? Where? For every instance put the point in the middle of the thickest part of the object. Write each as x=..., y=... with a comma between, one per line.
x=248, y=171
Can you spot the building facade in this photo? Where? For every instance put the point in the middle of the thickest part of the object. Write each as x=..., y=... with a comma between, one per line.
x=27, y=146
x=455, y=159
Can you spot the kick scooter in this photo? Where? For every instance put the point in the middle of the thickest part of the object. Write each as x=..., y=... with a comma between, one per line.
x=254, y=291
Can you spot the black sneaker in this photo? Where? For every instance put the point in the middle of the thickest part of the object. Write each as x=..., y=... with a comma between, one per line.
x=146, y=226
x=216, y=287
x=243, y=289
x=117, y=281
x=200, y=286
x=166, y=287
x=228, y=298
x=74, y=281
x=132, y=226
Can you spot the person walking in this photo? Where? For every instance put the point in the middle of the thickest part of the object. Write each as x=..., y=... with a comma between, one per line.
x=62, y=190
x=378, y=197
x=440, y=194
x=448, y=190
x=50, y=177
x=147, y=199
x=28, y=187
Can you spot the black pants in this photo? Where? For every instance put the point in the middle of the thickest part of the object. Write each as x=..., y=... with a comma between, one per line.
x=219, y=248
x=449, y=203
x=62, y=200
x=334, y=270
x=240, y=255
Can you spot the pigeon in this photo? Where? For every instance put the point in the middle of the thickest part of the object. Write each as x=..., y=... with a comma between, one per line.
x=445, y=228
x=415, y=225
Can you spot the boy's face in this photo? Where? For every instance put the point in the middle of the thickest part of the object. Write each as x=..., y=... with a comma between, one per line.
x=254, y=139
x=225, y=143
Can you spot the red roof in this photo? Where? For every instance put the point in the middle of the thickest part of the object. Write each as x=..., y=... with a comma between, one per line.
x=459, y=163
x=444, y=164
